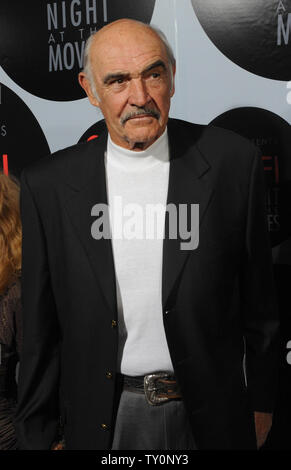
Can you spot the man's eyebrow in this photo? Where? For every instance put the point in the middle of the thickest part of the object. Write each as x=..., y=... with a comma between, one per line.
x=158, y=63
x=117, y=75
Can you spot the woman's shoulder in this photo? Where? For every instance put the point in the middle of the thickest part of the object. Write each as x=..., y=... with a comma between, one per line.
x=13, y=290
x=10, y=313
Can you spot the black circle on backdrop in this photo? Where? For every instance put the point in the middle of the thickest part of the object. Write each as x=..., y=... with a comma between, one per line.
x=42, y=42
x=272, y=135
x=21, y=137
x=256, y=35
x=94, y=131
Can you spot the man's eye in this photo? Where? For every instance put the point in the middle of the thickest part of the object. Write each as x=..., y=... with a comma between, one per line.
x=117, y=81
x=156, y=75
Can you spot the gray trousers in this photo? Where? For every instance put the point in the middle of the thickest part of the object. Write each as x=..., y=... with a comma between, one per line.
x=141, y=426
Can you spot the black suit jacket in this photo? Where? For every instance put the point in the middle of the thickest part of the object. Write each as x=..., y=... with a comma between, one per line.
x=218, y=300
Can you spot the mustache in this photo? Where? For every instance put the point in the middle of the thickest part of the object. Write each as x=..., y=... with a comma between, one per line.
x=141, y=111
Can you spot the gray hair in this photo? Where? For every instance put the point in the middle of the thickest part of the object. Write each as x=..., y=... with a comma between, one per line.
x=87, y=69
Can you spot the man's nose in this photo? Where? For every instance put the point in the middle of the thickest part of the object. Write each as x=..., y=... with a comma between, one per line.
x=138, y=93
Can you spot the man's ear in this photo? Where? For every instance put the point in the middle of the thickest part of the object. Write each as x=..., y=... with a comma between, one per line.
x=173, y=84
x=85, y=84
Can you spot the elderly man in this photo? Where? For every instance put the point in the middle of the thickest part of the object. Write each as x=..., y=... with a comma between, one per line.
x=139, y=341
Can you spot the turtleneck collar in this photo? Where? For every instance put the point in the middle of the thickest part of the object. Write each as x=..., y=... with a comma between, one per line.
x=130, y=160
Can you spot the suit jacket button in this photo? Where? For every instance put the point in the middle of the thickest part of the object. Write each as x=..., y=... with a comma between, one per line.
x=109, y=375
x=104, y=426
x=113, y=323
x=167, y=312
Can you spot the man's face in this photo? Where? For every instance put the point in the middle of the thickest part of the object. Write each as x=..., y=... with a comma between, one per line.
x=133, y=82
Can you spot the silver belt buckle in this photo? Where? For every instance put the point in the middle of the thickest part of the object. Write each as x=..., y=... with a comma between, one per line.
x=150, y=388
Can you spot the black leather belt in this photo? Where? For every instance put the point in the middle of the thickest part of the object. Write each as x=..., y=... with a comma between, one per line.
x=158, y=387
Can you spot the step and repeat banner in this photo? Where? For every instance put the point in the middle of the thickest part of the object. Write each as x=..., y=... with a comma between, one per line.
x=233, y=70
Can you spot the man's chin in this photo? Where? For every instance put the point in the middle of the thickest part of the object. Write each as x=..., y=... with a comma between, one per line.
x=141, y=142
x=143, y=136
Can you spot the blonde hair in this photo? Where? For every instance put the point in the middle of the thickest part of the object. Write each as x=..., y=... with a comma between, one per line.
x=10, y=231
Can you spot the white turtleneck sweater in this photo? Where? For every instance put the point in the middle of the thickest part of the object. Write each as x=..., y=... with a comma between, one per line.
x=138, y=178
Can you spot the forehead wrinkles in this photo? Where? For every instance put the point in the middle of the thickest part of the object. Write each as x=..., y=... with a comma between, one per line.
x=133, y=65
x=126, y=51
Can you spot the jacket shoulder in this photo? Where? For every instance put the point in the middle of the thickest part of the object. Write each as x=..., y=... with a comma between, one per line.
x=217, y=145
x=208, y=136
x=226, y=140
x=74, y=161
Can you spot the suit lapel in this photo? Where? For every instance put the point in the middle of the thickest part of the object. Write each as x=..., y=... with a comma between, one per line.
x=189, y=183
x=86, y=190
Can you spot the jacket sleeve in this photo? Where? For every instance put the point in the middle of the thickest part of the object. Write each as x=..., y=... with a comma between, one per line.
x=37, y=412
x=260, y=316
